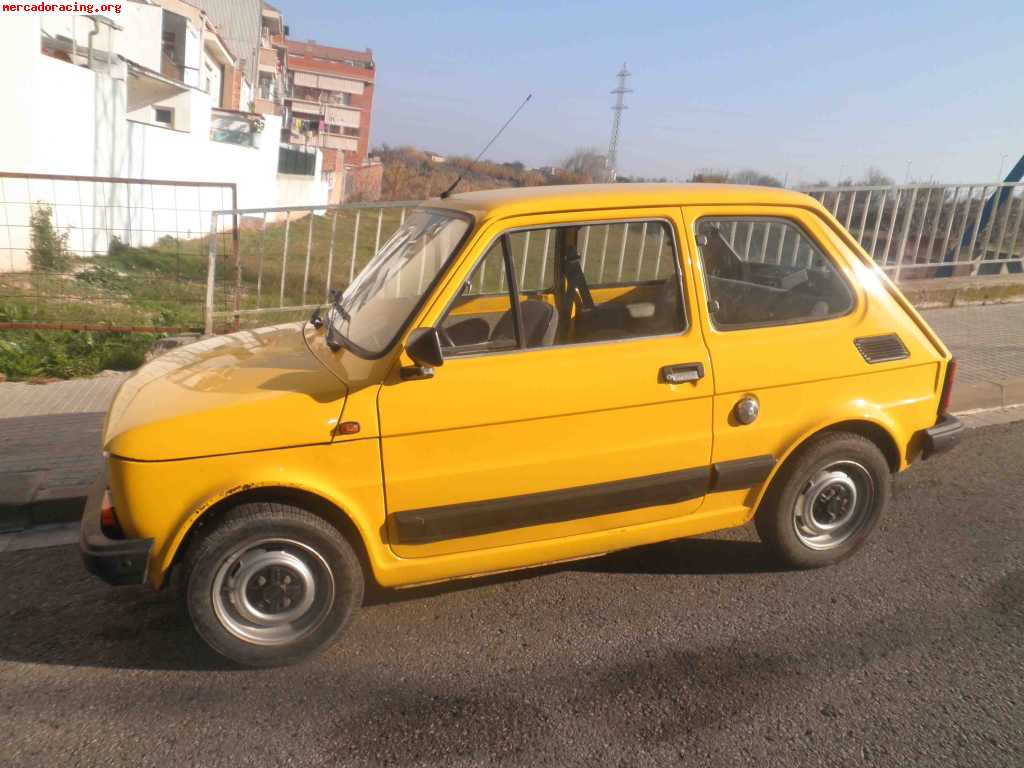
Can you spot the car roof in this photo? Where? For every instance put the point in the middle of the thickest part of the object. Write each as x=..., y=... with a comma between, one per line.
x=499, y=203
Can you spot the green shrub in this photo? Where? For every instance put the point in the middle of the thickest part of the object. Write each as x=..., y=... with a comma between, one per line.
x=67, y=354
x=49, y=251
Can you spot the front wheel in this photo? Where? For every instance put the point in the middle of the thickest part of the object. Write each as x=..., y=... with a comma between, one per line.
x=271, y=584
x=826, y=500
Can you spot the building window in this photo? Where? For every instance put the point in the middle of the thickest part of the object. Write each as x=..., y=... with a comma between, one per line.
x=266, y=87
x=348, y=130
x=296, y=162
x=169, y=42
x=163, y=116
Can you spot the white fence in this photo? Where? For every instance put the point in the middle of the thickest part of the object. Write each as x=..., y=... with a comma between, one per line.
x=289, y=258
x=933, y=230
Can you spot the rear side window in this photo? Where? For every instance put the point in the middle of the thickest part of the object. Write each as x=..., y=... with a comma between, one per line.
x=767, y=271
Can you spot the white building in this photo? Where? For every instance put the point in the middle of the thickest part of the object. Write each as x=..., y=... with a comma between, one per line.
x=139, y=95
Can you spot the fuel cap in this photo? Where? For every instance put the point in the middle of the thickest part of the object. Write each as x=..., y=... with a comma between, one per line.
x=746, y=410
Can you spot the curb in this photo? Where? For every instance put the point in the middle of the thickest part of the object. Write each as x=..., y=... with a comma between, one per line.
x=983, y=395
x=57, y=505
x=945, y=292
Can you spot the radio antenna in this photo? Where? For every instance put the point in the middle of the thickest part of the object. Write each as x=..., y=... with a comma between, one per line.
x=501, y=130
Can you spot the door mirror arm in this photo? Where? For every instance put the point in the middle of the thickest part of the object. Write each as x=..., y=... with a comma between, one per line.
x=424, y=347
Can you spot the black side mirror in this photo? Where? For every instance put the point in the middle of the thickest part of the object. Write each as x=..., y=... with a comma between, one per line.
x=424, y=347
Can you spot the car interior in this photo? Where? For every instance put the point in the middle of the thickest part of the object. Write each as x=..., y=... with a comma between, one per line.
x=572, y=309
x=793, y=284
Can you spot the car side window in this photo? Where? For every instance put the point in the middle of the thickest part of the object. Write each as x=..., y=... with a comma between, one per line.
x=568, y=284
x=480, y=319
x=762, y=271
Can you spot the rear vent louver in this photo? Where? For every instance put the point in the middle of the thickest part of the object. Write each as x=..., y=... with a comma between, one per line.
x=881, y=349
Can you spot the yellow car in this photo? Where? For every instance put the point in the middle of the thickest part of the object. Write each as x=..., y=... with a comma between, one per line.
x=522, y=377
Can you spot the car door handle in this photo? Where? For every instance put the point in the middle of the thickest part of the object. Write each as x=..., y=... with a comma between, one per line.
x=682, y=373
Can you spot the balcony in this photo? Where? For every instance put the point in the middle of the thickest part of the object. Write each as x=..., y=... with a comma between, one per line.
x=268, y=61
x=266, y=106
x=350, y=118
x=231, y=127
x=325, y=141
x=305, y=106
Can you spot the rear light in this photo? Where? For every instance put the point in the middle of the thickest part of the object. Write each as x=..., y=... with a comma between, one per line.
x=947, y=386
x=108, y=518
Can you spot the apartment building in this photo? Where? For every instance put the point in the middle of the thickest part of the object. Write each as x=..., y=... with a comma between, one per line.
x=255, y=31
x=324, y=94
x=272, y=63
x=328, y=105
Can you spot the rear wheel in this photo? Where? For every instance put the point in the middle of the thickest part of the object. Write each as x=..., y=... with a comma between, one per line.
x=825, y=501
x=271, y=584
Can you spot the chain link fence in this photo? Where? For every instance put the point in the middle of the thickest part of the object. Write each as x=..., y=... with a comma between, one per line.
x=100, y=253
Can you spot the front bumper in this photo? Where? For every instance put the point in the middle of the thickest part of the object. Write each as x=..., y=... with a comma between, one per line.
x=944, y=436
x=116, y=561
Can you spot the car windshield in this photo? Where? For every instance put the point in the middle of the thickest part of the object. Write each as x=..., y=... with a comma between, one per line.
x=379, y=302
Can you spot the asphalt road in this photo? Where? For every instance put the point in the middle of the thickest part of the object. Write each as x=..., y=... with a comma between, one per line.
x=696, y=652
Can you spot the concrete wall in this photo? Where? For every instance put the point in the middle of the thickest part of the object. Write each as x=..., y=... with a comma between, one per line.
x=140, y=42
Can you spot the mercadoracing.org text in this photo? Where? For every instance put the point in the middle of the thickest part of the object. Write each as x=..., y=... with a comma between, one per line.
x=61, y=8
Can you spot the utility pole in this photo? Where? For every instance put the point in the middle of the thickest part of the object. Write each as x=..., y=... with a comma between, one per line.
x=613, y=145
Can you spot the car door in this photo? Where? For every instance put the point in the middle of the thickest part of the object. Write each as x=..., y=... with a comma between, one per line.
x=549, y=418
x=781, y=308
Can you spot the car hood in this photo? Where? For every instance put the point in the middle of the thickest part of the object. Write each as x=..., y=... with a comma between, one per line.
x=247, y=391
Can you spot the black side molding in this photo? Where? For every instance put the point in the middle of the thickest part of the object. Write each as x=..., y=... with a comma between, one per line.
x=422, y=526
x=741, y=473
x=944, y=436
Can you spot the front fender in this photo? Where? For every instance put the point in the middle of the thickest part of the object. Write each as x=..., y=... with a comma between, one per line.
x=164, y=500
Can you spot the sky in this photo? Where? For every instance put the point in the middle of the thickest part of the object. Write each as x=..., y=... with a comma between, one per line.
x=795, y=89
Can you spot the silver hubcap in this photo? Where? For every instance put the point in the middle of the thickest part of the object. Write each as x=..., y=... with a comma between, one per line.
x=273, y=591
x=833, y=505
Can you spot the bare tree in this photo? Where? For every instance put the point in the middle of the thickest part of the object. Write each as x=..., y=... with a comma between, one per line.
x=746, y=176
x=875, y=177
x=586, y=162
x=756, y=178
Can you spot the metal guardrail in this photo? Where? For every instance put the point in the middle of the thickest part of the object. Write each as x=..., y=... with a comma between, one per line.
x=933, y=230
x=289, y=258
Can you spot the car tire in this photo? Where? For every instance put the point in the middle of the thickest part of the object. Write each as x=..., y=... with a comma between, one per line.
x=825, y=500
x=271, y=584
